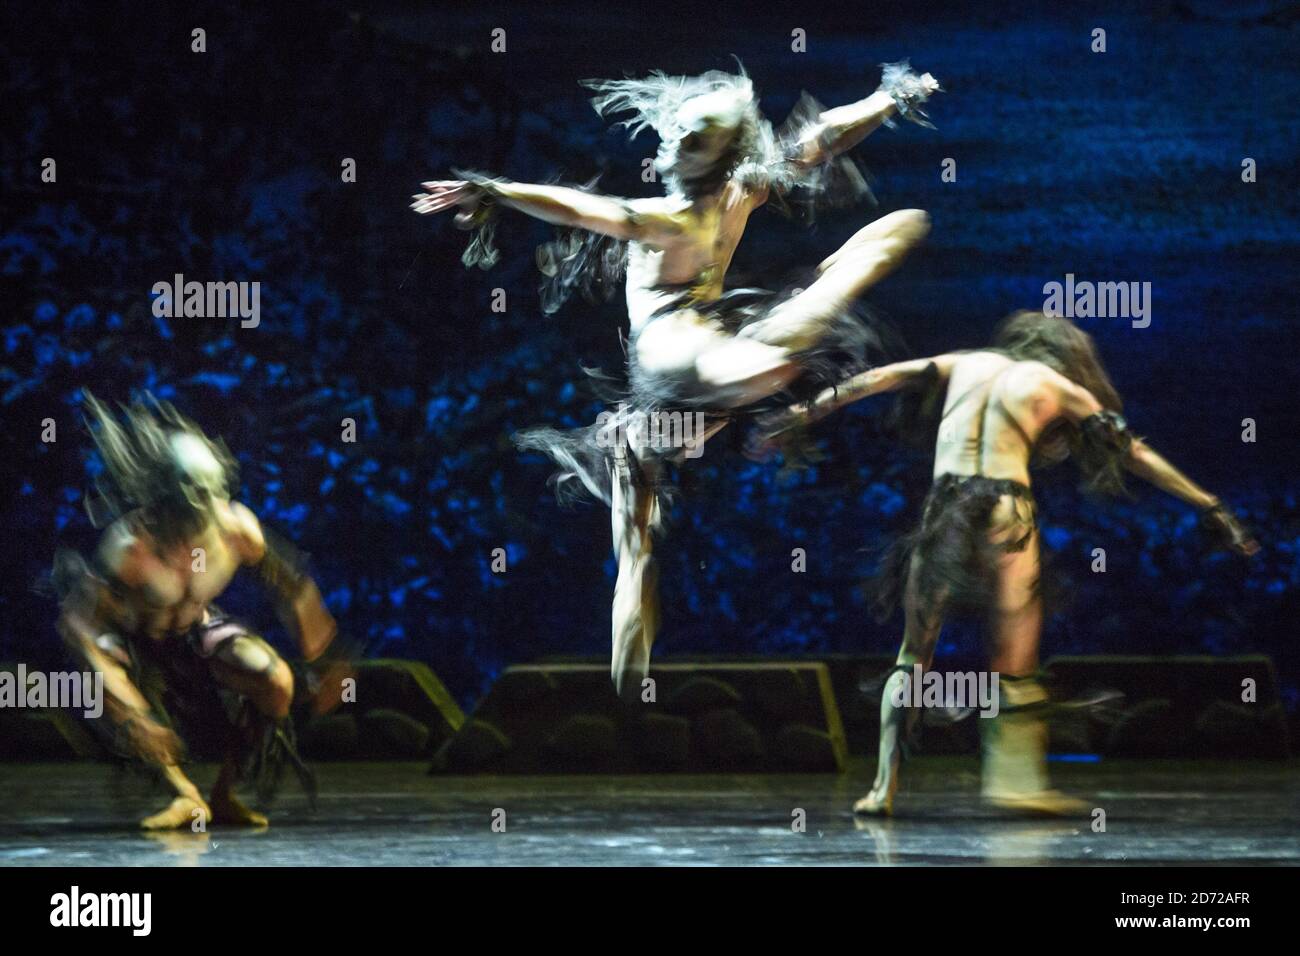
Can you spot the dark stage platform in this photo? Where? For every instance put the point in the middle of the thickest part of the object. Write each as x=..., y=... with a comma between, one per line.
x=1157, y=812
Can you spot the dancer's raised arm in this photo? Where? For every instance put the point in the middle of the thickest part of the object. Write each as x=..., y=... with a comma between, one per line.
x=560, y=205
x=843, y=127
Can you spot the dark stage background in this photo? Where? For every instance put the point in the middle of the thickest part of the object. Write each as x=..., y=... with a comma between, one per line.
x=225, y=165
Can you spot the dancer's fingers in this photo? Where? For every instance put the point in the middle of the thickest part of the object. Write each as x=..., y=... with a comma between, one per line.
x=428, y=205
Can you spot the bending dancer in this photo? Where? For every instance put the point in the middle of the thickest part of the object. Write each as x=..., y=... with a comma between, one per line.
x=142, y=615
x=1040, y=392
x=692, y=345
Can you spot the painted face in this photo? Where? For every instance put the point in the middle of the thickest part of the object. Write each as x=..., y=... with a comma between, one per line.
x=201, y=477
x=709, y=124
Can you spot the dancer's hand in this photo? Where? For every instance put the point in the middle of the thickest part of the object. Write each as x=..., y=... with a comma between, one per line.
x=930, y=84
x=1228, y=532
x=442, y=195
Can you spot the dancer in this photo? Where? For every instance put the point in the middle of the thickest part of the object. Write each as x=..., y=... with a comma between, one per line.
x=141, y=612
x=1040, y=392
x=691, y=345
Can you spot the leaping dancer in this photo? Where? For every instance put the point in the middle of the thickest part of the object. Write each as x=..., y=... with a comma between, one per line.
x=1039, y=392
x=692, y=345
x=141, y=612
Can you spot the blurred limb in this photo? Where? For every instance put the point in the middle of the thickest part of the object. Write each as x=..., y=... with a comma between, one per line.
x=1014, y=745
x=1219, y=522
x=634, y=516
x=85, y=615
x=558, y=205
x=776, y=427
x=1108, y=429
x=840, y=129
x=869, y=255
x=1151, y=466
x=298, y=602
x=922, y=625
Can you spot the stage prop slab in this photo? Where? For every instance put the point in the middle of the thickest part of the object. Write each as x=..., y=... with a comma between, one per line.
x=1189, y=706
x=400, y=710
x=695, y=717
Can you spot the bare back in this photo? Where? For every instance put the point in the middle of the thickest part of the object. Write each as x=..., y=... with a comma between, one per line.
x=994, y=412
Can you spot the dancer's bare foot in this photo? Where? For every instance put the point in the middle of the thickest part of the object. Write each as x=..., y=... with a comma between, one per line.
x=229, y=809
x=181, y=812
x=892, y=235
x=878, y=803
x=1052, y=803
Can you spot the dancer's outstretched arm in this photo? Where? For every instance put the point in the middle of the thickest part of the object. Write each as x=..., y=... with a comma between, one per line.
x=884, y=378
x=1078, y=404
x=843, y=127
x=560, y=205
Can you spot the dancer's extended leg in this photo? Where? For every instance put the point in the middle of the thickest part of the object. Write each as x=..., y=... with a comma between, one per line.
x=249, y=666
x=921, y=632
x=758, y=361
x=1014, y=772
x=634, y=512
x=870, y=255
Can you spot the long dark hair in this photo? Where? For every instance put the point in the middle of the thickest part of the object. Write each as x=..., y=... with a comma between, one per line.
x=1029, y=336
x=1058, y=343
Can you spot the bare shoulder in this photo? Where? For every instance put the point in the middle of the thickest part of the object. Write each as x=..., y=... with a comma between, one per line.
x=1043, y=377
x=1038, y=375
x=948, y=362
x=1050, y=393
x=245, y=533
x=1029, y=380
x=656, y=204
x=661, y=208
x=658, y=220
x=977, y=363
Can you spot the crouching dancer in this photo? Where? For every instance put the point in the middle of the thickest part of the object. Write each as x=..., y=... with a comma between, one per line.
x=1040, y=392
x=141, y=613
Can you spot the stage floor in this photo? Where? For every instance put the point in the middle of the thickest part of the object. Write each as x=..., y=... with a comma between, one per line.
x=1157, y=812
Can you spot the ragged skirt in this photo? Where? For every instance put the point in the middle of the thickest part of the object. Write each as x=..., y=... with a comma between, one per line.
x=658, y=412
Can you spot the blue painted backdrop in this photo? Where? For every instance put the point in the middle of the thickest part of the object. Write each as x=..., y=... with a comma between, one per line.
x=226, y=165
